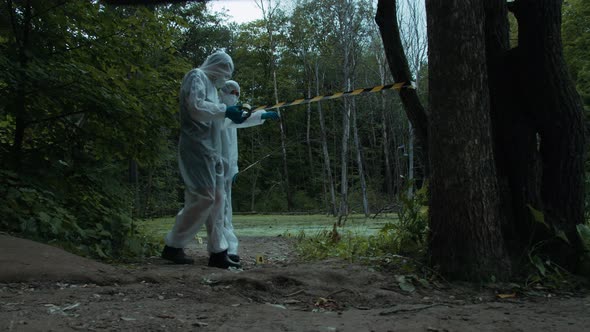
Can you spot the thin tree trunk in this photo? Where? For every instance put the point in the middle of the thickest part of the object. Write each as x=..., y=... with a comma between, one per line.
x=397, y=162
x=254, y=180
x=20, y=103
x=384, y=132
x=465, y=211
x=325, y=152
x=283, y=148
x=343, y=211
x=359, y=161
x=345, y=14
x=253, y=191
x=308, y=135
x=410, y=160
x=386, y=152
x=268, y=15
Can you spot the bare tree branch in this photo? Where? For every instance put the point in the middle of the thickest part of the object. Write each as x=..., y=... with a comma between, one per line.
x=400, y=70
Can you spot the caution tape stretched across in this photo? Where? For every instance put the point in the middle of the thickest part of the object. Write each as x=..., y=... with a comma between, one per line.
x=393, y=86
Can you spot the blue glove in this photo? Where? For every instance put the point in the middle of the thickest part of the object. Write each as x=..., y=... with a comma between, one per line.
x=234, y=113
x=270, y=115
x=234, y=178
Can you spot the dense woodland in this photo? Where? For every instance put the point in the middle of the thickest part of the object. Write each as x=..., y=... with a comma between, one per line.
x=89, y=101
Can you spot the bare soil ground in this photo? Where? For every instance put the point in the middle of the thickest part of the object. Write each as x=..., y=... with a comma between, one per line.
x=43, y=288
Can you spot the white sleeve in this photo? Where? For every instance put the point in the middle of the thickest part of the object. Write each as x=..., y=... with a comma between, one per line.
x=201, y=109
x=255, y=119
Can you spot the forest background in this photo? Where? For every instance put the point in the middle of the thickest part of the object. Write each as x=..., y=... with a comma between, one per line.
x=89, y=102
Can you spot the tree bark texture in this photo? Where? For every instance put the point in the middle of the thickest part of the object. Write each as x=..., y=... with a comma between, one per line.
x=555, y=109
x=515, y=138
x=515, y=141
x=465, y=219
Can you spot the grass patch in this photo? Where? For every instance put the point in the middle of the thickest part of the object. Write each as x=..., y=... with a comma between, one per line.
x=404, y=234
x=275, y=225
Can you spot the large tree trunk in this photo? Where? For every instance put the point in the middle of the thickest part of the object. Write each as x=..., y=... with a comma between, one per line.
x=515, y=138
x=555, y=109
x=465, y=210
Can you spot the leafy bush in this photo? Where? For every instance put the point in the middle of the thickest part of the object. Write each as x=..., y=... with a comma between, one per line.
x=85, y=216
x=411, y=231
x=406, y=235
x=546, y=271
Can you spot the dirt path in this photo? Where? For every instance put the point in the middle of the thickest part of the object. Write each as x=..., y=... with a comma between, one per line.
x=47, y=289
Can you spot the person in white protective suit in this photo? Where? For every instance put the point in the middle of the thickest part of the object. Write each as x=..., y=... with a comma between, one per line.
x=200, y=161
x=228, y=95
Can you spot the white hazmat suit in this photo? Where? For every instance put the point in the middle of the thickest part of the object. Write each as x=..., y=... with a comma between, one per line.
x=228, y=95
x=200, y=160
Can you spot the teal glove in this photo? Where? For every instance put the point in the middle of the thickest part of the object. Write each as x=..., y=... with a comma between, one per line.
x=270, y=115
x=234, y=113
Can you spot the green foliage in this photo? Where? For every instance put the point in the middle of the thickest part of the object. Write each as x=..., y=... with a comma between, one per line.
x=405, y=236
x=412, y=228
x=83, y=220
x=349, y=245
x=547, y=272
x=91, y=97
x=90, y=89
x=576, y=45
x=584, y=233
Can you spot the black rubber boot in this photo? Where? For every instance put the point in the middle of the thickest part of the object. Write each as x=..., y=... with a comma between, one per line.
x=234, y=258
x=222, y=261
x=176, y=255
